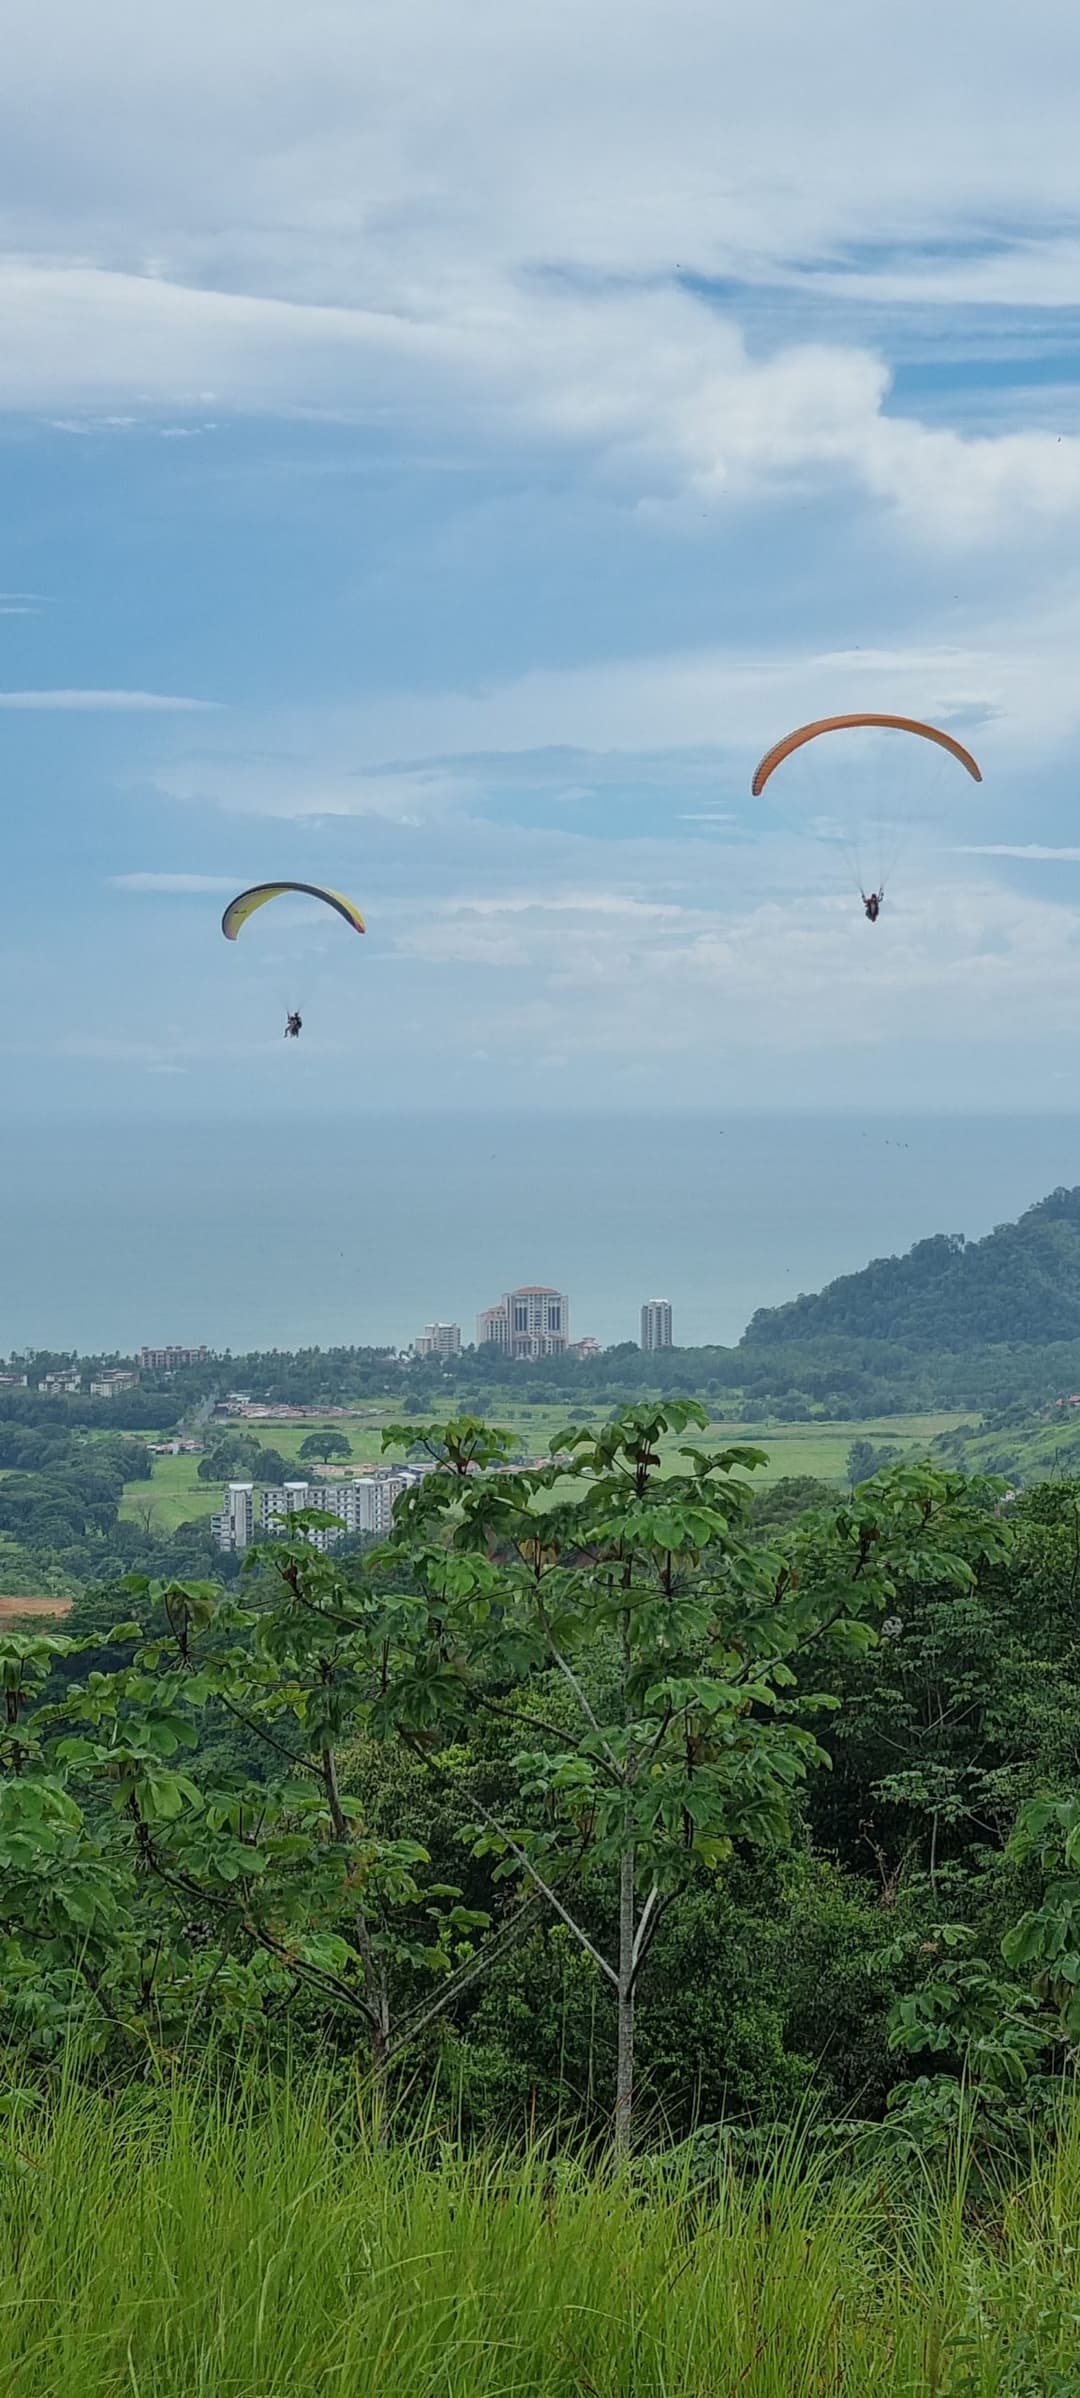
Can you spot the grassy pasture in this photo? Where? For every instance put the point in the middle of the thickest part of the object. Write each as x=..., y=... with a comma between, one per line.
x=177, y=1496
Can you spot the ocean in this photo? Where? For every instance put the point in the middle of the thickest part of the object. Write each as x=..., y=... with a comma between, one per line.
x=364, y=1227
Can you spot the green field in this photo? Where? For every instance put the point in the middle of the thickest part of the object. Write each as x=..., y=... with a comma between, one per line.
x=175, y=1495
x=1039, y=1451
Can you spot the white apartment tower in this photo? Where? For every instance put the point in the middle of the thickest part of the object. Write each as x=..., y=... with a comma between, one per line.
x=166, y=1361
x=438, y=1340
x=234, y=1527
x=656, y=1324
x=533, y=1321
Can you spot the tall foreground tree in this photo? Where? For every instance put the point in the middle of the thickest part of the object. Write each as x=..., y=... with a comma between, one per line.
x=180, y=1836
x=655, y=1655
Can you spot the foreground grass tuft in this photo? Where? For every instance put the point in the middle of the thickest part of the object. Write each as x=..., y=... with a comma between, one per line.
x=177, y=2244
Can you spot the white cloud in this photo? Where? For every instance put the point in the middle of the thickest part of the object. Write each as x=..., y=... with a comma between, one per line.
x=380, y=149
x=175, y=882
x=1016, y=849
x=106, y=702
x=704, y=707
x=489, y=248
x=653, y=382
x=299, y=786
x=563, y=903
x=662, y=250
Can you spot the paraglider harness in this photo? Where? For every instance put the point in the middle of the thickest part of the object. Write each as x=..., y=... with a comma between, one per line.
x=873, y=904
x=293, y=1026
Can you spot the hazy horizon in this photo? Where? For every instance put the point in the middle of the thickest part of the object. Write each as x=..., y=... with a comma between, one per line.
x=364, y=1231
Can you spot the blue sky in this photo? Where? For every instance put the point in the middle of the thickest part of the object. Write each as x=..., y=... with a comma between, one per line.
x=441, y=448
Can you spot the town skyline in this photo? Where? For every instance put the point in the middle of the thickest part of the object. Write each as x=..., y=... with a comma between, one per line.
x=531, y=1320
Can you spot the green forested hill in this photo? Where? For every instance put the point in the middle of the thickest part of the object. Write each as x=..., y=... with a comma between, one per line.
x=1022, y=1284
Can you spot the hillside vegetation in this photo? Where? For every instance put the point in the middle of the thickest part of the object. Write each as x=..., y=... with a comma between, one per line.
x=1021, y=1283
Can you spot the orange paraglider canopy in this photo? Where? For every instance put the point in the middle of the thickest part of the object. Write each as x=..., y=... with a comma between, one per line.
x=833, y=724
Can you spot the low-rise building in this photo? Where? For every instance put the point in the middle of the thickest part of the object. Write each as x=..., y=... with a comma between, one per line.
x=14, y=1382
x=61, y=1386
x=169, y=1359
x=364, y=1504
x=113, y=1379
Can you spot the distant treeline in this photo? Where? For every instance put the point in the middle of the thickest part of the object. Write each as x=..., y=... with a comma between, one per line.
x=142, y=1410
x=797, y=1374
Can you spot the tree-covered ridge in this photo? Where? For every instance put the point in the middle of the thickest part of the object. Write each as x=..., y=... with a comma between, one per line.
x=1020, y=1283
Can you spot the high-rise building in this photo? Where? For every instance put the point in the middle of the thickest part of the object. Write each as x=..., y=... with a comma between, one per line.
x=533, y=1321
x=438, y=1340
x=656, y=1324
x=234, y=1526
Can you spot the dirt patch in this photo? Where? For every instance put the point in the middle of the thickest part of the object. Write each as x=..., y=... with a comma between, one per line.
x=12, y=1610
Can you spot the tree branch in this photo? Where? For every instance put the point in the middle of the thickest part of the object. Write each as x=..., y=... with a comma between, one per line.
x=643, y=1945
x=412, y=2025
x=642, y=1935
x=538, y=1723
x=528, y=1867
x=571, y=1678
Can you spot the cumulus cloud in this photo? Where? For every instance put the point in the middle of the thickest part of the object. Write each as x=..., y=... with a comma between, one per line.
x=655, y=384
x=488, y=249
x=794, y=982
x=675, y=284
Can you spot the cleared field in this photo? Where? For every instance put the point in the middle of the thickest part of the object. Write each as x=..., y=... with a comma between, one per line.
x=175, y=1495
x=16, y=1610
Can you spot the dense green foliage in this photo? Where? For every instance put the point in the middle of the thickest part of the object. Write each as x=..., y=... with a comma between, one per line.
x=139, y=1410
x=60, y=1521
x=462, y=1803
x=576, y=1786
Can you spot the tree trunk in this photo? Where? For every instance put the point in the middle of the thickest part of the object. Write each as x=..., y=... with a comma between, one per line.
x=624, y=2090
x=376, y=1991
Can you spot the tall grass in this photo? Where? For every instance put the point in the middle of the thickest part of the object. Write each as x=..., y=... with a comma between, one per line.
x=184, y=2244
